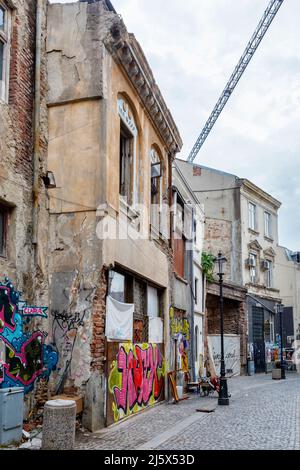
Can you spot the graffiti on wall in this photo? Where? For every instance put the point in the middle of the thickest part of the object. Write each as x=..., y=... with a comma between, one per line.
x=24, y=356
x=180, y=331
x=136, y=379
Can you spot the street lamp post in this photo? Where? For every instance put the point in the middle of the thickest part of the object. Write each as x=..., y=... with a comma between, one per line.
x=223, y=394
x=279, y=308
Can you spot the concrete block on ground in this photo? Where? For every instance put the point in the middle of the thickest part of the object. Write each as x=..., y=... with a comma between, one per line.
x=59, y=425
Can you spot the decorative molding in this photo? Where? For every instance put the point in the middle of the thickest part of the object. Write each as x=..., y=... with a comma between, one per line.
x=270, y=252
x=126, y=116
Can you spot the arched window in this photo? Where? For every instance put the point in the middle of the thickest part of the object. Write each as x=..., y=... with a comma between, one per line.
x=128, y=144
x=156, y=189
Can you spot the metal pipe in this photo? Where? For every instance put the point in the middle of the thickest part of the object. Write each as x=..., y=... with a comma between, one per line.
x=37, y=114
x=281, y=342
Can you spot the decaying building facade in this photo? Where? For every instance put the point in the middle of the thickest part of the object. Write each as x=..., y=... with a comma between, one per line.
x=111, y=145
x=26, y=359
x=188, y=307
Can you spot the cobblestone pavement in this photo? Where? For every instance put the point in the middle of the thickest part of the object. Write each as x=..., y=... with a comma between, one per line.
x=263, y=414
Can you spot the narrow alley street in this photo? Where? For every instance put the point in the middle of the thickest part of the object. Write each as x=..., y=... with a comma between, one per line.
x=263, y=414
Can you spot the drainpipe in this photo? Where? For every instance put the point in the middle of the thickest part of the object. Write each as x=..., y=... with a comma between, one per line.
x=170, y=184
x=192, y=297
x=37, y=113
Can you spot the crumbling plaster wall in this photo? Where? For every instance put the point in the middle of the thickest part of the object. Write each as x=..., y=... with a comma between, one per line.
x=16, y=152
x=84, y=85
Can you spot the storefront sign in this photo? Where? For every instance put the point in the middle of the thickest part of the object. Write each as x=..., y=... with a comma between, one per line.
x=232, y=353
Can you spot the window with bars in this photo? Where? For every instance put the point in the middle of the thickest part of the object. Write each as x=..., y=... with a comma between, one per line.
x=156, y=190
x=3, y=225
x=269, y=274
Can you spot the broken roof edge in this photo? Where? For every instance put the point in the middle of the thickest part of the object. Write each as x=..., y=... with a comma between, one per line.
x=127, y=51
x=215, y=170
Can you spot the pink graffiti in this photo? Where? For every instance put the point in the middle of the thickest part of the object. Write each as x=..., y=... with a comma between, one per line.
x=35, y=311
x=139, y=377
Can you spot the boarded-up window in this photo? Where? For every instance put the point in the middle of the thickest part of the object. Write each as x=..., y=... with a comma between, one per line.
x=179, y=255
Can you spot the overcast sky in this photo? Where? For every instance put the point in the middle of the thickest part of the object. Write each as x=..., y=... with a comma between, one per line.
x=193, y=47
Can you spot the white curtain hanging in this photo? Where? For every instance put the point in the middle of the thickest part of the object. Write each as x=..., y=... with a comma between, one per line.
x=119, y=320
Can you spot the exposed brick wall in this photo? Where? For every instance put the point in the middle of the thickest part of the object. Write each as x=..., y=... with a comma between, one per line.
x=21, y=85
x=99, y=309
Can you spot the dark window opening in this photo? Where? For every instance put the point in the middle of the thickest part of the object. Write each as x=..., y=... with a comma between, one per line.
x=1, y=59
x=126, y=162
x=3, y=224
x=120, y=287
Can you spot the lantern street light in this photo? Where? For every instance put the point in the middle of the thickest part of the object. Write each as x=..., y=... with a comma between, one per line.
x=279, y=308
x=223, y=393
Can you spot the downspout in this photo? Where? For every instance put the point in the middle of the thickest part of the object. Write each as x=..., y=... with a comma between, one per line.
x=192, y=296
x=37, y=114
x=170, y=183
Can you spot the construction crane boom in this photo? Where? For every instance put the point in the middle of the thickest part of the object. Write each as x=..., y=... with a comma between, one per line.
x=250, y=50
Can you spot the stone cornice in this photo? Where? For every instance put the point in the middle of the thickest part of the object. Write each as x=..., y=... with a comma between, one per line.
x=254, y=245
x=127, y=52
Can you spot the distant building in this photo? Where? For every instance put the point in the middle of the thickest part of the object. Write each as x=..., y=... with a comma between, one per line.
x=189, y=280
x=242, y=223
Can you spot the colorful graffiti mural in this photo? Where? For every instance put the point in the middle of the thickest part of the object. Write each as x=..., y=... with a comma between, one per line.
x=136, y=379
x=24, y=356
x=180, y=331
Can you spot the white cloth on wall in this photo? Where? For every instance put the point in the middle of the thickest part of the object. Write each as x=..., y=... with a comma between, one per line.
x=156, y=330
x=119, y=320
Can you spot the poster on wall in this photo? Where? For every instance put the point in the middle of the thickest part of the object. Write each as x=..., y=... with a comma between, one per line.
x=232, y=353
x=119, y=320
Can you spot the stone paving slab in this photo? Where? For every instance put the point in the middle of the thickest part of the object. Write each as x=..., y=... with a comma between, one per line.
x=263, y=414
